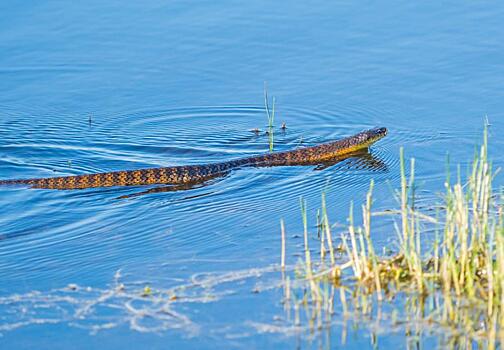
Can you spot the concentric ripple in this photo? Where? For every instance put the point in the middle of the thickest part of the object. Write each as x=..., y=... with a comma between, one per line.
x=48, y=234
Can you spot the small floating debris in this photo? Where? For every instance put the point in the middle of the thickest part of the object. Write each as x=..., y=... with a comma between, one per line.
x=147, y=291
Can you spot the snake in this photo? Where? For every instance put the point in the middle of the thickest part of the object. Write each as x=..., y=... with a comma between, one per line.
x=191, y=174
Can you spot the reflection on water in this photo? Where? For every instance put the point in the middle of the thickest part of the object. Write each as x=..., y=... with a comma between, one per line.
x=362, y=160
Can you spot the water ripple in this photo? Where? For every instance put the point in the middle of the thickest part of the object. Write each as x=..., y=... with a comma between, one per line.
x=47, y=228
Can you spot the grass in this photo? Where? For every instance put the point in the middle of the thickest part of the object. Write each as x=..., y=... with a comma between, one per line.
x=454, y=283
x=271, y=118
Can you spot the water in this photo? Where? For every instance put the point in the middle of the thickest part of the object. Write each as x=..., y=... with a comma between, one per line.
x=91, y=87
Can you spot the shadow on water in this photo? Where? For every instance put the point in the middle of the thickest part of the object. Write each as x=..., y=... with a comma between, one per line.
x=363, y=160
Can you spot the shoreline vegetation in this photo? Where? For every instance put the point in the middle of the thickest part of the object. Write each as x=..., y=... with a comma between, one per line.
x=451, y=284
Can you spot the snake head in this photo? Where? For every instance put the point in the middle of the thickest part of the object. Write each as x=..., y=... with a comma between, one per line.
x=375, y=134
x=367, y=138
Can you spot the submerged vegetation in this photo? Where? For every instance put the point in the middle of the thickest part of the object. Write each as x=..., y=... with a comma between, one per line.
x=451, y=284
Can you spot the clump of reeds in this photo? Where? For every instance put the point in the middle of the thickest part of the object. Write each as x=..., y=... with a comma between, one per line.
x=460, y=276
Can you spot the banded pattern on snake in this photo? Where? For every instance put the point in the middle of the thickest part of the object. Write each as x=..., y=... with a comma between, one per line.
x=189, y=174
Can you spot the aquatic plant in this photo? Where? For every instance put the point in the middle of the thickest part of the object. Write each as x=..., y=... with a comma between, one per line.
x=271, y=118
x=453, y=284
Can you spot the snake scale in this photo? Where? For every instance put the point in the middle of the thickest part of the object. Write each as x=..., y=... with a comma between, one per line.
x=188, y=174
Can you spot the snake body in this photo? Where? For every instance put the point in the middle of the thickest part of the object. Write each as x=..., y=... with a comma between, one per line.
x=188, y=174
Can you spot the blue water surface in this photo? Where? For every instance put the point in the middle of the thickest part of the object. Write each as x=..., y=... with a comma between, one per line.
x=112, y=85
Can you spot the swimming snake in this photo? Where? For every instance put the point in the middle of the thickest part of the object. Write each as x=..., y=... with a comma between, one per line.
x=191, y=174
